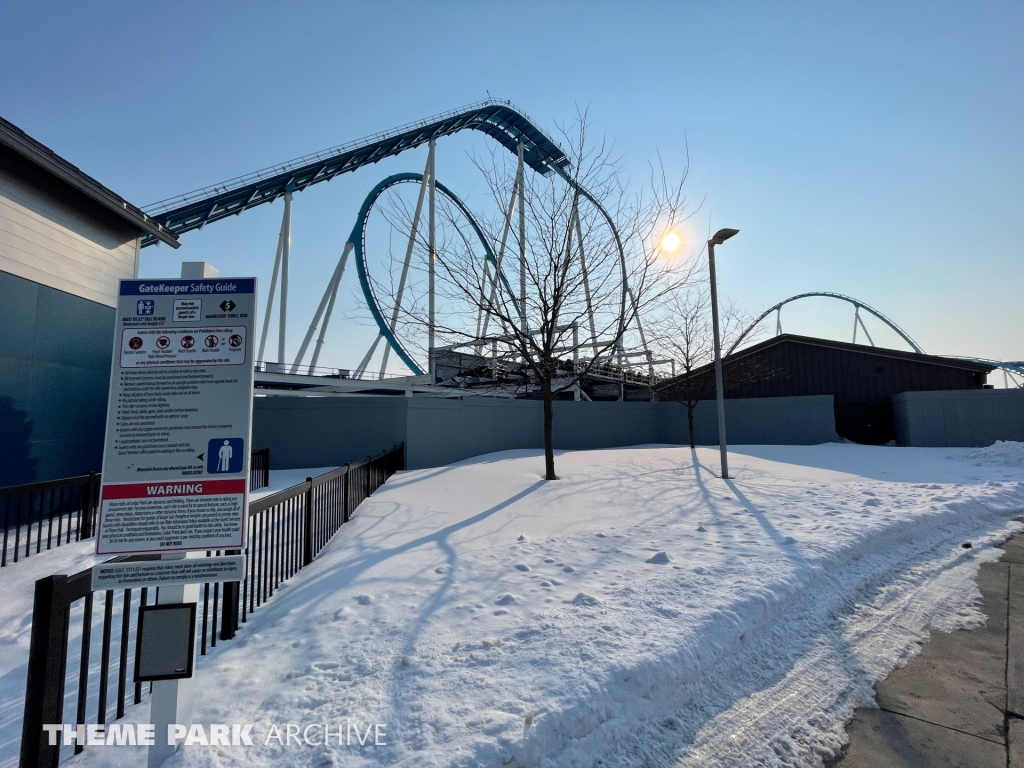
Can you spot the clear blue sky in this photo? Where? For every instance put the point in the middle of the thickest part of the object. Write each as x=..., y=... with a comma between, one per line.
x=872, y=149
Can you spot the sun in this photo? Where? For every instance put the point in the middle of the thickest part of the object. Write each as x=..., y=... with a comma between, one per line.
x=670, y=242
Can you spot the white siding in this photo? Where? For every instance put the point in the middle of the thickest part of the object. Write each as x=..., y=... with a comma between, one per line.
x=51, y=242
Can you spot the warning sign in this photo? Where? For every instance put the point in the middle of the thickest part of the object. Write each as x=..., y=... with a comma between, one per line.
x=148, y=348
x=165, y=517
x=164, y=573
x=176, y=455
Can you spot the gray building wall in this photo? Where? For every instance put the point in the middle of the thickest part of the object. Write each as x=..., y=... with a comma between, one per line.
x=803, y=420
x=61, y=256
x=316, y=431
x=964, y=418
x=326, y=431
x=442, y=431
x=54, y=370
x=54, y=235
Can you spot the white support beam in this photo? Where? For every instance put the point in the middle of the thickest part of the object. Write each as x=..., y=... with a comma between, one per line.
x=586, y=272
x=864, y=328
x=270, y=295
x=486, y=316
x=328, y=297
x=286, y=247
x=432, y=256
x=368, y=356
x=428, y=172
x=522, y=243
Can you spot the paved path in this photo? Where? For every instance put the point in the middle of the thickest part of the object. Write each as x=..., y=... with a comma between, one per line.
x=961, y=702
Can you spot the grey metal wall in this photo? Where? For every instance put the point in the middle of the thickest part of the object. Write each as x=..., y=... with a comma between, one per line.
x=443, y=431
x=967, y=418
x=54, y=371
x=313, y=432
x=326, y=431
x=804, y=420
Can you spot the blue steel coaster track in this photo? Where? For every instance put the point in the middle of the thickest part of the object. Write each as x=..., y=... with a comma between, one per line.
x=358, y=240
x=830, y=295
x=499, y=119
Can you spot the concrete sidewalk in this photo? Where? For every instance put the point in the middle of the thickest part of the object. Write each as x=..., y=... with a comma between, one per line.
x=961, y=702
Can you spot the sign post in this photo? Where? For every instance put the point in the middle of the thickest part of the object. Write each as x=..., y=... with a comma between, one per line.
x=176, y=454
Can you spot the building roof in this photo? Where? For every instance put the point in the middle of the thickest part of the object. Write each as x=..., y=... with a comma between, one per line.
x=864, y=349
x=12, y=137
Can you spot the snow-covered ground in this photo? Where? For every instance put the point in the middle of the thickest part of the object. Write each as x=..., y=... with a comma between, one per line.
x=639, y=611
x=17, y=589
x=286, y=478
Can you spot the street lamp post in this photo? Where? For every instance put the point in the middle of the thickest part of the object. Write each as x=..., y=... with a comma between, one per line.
x=720, y=237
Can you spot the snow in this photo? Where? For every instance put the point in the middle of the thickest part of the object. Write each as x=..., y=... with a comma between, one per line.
x=638, y=610
x=17, y=582
x=1005, y=452
x=286, y=478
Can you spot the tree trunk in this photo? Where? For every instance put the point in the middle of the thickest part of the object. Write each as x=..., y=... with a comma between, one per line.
x=689, y=423
x=549, y=448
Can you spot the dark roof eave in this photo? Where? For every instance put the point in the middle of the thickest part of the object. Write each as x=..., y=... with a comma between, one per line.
x=37, y=153
x=951, y=362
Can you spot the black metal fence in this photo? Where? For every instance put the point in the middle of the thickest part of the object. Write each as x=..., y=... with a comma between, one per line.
x=286, y=531
x=259, y=469
x=40, y=516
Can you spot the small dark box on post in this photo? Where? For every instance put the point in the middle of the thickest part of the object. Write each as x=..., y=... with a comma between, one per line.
x=165, y=648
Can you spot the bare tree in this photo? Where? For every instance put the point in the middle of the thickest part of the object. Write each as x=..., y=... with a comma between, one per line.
x=576, y=262
x=682, y=330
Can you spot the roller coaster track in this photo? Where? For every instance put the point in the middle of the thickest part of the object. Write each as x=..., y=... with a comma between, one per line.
x=499, y=119
x=859, y=305
x=358, y=240
x=1014, y=368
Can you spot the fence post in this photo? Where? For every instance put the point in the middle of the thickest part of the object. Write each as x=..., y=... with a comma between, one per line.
x=89, y=501
x=47, y=658
x=345, y=494
x=229, y=611
x=307, y=543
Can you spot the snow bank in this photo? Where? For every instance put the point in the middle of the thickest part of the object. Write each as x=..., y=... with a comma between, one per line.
x=1003, y=452
x=637, y=611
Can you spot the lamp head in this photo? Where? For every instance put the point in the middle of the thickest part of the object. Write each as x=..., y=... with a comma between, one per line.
x=722, y=235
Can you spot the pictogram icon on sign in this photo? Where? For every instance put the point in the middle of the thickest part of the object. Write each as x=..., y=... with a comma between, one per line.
x=225, y=455
x=187, y=342
x=144, y=307
x=135, y=342
x=212, y=341
x=235, y=340
x=162, y=342
x=227, y=305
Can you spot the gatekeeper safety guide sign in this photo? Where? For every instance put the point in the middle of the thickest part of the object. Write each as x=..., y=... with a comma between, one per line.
x=179, y=417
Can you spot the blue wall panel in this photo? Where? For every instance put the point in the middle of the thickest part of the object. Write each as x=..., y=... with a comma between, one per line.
x=323, y=431
x=964, y=418
x=54, y=372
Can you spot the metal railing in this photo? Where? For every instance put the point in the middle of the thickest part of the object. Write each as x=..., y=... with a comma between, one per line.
x=259, y=469
x=40, y=516
x=268, y=366
x=286, y=531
